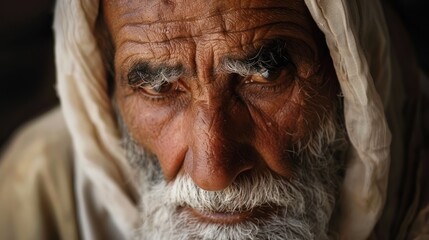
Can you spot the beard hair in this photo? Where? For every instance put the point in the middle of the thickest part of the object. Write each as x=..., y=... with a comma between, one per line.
x=304, y=203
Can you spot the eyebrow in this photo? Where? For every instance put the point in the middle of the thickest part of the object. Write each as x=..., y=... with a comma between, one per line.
x=142, y=74
x=270, y=56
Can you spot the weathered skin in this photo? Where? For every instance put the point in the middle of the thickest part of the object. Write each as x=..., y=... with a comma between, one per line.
x=212, y=124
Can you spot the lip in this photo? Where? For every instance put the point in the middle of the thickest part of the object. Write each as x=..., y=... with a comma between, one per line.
x=219, y=217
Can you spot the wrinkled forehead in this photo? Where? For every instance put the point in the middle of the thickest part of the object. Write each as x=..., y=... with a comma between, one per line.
x=176, y=10
x=169, y=19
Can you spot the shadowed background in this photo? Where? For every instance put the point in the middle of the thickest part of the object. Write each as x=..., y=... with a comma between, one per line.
x=27, y=68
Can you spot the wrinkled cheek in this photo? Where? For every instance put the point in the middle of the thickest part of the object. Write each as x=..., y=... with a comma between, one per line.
x=158, y=131
x=291, y=122
x=140, y=124
x=170, y=147
x=274, y=153
x=275, y=132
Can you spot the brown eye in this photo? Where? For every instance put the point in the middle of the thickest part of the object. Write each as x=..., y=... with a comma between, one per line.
x=266, y=76
x=270, y=75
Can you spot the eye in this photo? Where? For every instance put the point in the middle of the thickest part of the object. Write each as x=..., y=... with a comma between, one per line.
x=159, y=90
x=265, y=76
x=267, y=83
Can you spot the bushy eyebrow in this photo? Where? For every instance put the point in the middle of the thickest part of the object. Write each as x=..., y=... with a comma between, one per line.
x=142, y=74
x=270, y=56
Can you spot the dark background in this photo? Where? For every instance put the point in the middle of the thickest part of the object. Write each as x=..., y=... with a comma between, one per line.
x=27, y=70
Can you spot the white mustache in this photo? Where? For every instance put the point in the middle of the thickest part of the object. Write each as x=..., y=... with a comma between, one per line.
x=246, y=193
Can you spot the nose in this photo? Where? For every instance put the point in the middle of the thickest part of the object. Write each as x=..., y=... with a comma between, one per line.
x=219, y=147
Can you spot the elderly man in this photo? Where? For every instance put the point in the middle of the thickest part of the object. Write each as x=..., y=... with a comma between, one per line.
x=247, y=119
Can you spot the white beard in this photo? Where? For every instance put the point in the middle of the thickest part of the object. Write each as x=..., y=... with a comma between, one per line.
x=304, y=203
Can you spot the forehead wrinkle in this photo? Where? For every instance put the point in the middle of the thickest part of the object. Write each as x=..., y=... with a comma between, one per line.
x=159, y=51
x=237, y=48
x=168, y=56
x=154, y=53
x=229, y=42
x=286, y=27
x=219, y=23
x=169, y=12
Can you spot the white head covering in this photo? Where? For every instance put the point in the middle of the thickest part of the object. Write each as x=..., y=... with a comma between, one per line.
x=102, y=172
x=357, y=38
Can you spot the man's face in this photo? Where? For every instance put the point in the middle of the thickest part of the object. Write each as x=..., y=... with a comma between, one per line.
x=224, y=95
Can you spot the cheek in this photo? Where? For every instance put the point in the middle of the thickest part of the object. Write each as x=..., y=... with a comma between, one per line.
x=283, y=122
x=156, y=129
x=277, y=126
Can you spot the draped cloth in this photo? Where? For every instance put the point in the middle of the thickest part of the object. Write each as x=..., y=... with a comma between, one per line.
x=75, y=175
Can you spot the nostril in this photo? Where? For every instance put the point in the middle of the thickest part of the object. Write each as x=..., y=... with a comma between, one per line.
x=242, y=173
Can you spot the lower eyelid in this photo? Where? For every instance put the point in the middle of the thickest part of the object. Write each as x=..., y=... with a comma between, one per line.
x=276, y=86
x=174, y=95
x=161, y=99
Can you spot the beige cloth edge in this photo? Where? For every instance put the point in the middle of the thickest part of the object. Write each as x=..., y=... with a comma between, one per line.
x=364, y=189
x=102, y=184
